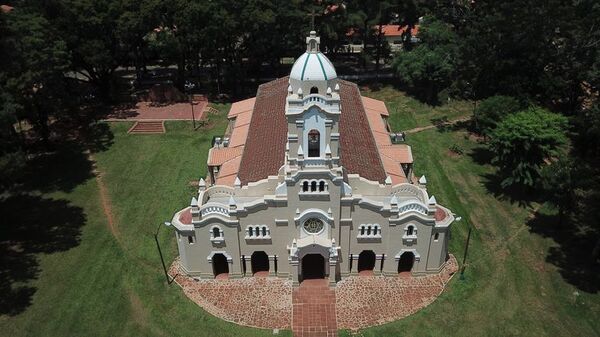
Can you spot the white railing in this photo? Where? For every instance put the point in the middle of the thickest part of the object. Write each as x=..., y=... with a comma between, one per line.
x=214, y=209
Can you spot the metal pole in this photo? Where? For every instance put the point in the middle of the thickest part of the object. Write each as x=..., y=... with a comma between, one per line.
x=193, y=118
x=162, y=260
x=462, y=272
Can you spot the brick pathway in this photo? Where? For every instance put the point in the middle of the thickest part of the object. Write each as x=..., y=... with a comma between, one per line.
x=145, y=111
x=263, y=302
x=363, y=301
x=314, y=310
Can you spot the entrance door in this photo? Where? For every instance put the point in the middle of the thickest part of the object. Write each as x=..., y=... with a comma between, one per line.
x=405, y=264
x=259, y=262
x=220, y=265
x=313, y=267
x=366, y=260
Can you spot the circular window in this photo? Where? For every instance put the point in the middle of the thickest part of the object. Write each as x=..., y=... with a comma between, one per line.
x=313, y=225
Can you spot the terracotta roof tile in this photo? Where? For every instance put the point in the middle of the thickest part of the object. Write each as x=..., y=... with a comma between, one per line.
x=219, y=155
x=397, y=30
x=376, y=105
x=241, y=106
x=243, y=118
x=357, y=145
x=229, y=171
x=6, y=8
x=440, y=214
x=264, y=152
x=186, y=216
x=239, y=135
x=399, y=152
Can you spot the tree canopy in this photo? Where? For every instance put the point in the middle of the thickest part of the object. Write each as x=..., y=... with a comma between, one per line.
x=524, y=141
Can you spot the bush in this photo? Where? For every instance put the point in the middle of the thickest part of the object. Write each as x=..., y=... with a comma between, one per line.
x=457, y=149
x=492, y=111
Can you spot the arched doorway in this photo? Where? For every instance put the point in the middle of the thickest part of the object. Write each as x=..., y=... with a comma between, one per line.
x=366, y=260
x=314, y=90
x=259, y=262
x=405, y=264
x=314, y=143
x=313, y=266
x=220, y=264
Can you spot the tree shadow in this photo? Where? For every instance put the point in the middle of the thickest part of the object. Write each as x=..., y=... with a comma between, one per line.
x=481, y=155
x=572, y=253
x=31, y=225
x=521, y=196
x=61, y=170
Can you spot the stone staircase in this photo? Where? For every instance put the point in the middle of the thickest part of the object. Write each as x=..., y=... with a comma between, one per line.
x=147, y=127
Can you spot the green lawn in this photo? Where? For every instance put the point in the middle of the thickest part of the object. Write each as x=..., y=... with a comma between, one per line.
x=109, y=286
x=509, y=289
x=407, y=113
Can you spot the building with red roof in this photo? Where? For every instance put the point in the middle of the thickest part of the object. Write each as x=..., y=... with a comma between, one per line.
x=307, y=183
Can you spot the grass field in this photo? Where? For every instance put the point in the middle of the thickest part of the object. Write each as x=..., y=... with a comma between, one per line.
x=105, y=282
x=408, y=113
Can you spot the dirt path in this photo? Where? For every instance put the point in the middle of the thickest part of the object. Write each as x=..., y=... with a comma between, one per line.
x=448, y=123
x=105, y=199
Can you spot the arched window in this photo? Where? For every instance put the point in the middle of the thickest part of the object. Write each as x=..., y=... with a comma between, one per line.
x=436, y=236
x=264, y=231
x=305, y=186
x=313, y=186
x=250, y=233
x=321, y=186
x=314, y=90
x=362, y=230
x=216, y=232
x=410, y=230
x=314, y=143
x=369, y=230
x=257, y=229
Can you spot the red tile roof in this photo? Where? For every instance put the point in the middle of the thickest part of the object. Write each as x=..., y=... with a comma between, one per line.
x=440, y=214
x=264, y=151
x=397, y=30
x=241, y=106
x=6, y=8
x=357, y=145
x=219, y=155
x=186, y=216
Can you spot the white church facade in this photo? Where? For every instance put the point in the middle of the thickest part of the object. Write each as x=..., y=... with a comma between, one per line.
x=307, y=183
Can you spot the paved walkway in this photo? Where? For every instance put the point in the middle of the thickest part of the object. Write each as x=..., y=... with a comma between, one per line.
x=314, y=310
x=146, y=111
x=363, y=301
x=263, y=302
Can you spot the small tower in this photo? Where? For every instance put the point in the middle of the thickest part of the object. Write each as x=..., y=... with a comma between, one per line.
x=313, y=109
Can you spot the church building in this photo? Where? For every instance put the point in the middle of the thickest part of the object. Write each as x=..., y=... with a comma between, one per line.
x=307, y=182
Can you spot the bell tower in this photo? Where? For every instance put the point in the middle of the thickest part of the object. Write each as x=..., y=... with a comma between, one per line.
x=313, y=110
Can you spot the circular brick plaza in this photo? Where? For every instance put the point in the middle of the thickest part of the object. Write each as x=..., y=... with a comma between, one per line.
x=314, y=309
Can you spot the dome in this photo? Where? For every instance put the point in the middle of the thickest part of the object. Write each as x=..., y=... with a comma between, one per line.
x=313, y=66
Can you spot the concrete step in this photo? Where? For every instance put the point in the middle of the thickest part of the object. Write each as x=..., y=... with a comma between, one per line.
x=147, y=127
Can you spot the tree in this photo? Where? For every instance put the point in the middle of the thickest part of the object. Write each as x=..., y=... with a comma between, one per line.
x=492, y=110
x=430, y=66
x=33, y=75
x=524, y=141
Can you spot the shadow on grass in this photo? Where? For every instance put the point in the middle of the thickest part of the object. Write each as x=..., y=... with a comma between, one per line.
x=31, y=225
x=572, y=253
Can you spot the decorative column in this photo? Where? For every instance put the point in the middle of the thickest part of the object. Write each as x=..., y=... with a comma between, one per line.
x=272, y=265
